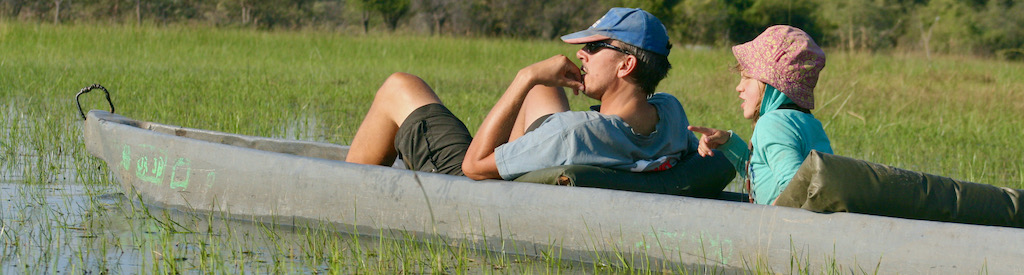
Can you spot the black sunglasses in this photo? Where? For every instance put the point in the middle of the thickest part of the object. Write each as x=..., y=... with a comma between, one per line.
x=593, y=47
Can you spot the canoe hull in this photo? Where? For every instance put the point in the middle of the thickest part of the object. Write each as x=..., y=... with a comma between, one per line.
x=296, y=182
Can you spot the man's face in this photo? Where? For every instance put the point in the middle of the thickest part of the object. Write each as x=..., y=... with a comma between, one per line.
x=601, y=61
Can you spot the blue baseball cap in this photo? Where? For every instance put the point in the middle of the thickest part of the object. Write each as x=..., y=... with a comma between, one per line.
x=633, y=26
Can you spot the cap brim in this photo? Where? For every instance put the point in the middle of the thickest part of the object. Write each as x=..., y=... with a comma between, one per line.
x=584, y=36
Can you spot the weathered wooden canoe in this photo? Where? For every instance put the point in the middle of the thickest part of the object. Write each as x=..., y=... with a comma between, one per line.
x=275, y=180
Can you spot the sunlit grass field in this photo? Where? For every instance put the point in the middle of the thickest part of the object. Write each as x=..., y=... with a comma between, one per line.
x=951, y=116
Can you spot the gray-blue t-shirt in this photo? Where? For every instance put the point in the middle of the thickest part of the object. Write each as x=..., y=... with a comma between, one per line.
x=592, y=138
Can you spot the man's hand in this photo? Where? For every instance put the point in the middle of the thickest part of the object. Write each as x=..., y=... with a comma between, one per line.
x=557, y=71
x=710, y=139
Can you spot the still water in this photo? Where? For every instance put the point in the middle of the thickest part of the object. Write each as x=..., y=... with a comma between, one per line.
x=57, y=227
x=67, y=227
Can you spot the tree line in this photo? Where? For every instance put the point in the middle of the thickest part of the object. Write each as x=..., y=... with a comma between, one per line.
x=993, y=28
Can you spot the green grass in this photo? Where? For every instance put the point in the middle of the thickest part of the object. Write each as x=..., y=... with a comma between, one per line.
x=951, y=116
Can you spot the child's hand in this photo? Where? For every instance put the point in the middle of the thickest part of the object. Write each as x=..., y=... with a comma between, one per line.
x=710, y=138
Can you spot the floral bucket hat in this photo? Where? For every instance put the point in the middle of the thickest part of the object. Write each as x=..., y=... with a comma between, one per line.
x=786, y=58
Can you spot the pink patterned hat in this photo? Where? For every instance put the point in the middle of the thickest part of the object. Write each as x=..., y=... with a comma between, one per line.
x=786, y=58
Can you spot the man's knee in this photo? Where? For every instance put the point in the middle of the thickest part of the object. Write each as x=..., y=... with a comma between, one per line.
x=406, y=85
x=407, y=88
x=401, y=94
x=401, y=78
x=544, y=100
x=403, y=82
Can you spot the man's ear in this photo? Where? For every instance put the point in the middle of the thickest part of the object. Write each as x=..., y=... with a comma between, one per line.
x=627, y=66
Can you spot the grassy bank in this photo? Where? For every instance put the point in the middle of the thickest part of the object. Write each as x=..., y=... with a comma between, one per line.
x=951, y=116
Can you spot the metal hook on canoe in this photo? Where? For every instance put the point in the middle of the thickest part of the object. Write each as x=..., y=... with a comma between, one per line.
x=88, y=89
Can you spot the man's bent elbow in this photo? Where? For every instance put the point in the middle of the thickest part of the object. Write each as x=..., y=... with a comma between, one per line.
x=476, y=176
x=475, y=172
x=471, y=172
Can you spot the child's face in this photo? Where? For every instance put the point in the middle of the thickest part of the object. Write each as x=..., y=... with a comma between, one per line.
x=751, y=92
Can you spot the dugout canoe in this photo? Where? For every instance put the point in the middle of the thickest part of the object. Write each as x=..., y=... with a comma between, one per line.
x=298, y=182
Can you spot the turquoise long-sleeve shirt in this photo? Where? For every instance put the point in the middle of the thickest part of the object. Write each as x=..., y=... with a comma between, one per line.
x=781, y=141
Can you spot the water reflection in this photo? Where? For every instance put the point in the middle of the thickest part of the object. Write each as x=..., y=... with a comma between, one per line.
x=95, y=228
x=45, y=227
x=304, y=126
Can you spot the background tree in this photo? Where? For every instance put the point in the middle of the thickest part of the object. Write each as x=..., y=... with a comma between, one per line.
x=761, y=14
x=663, y=9
x=570, y=16
x=947, y=26
x=861, y=25
x=56, y=11
x=363, y=8
x=11, y=8
x=437, y=12
x=390, y=10
x=1004, y=34
x=702, y=22
x=327, y=14
x=506, y=18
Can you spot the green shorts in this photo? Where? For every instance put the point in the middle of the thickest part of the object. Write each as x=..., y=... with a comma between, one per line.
x=432, y=139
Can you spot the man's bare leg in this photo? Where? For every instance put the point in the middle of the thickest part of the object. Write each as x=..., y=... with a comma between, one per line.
x=541, y=100
x=400, y=94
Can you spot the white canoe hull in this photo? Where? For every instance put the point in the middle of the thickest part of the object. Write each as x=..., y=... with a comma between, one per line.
x=298, y=182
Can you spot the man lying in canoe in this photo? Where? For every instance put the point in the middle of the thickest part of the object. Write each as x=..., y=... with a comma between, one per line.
x=530, y=128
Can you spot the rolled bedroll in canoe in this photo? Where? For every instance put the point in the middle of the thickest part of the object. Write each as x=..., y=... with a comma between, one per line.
x=300, y=182
x=831, y=183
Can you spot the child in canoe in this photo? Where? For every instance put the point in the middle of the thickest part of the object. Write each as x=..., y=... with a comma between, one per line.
x=778, y=70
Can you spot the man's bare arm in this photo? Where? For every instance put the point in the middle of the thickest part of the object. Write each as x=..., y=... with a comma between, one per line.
x=557, y=71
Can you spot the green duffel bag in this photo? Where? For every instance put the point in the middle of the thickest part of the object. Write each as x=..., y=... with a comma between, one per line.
x=830, y=183
x=694, y=176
